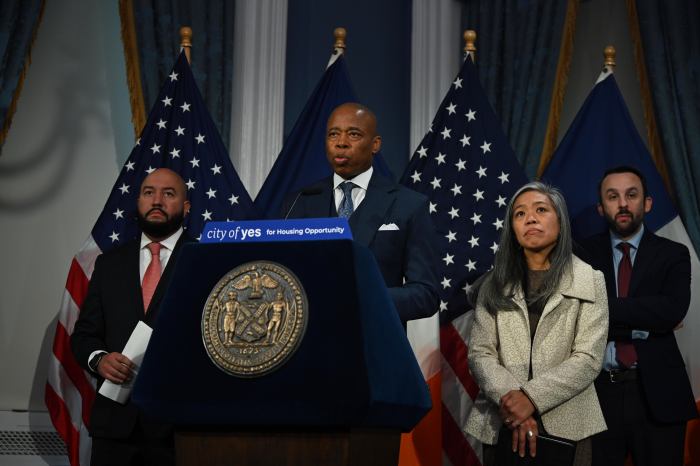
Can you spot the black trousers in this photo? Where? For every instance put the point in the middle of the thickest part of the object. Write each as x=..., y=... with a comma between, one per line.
x=631, y=428
x=141, y=448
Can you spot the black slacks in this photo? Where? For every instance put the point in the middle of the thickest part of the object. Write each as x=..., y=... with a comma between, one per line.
x=631, y=428
x=141, y=448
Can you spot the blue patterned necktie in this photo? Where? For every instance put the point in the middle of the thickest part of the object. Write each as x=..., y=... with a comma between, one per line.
x=346, y=208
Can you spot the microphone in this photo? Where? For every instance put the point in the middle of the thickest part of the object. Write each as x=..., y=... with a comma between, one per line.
x=305, y=192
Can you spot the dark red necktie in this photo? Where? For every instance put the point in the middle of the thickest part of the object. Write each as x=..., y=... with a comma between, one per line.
x=626, y=354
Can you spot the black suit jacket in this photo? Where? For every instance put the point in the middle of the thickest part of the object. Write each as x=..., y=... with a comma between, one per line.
x=112, y=308
x=406, y=252
x=657, y=302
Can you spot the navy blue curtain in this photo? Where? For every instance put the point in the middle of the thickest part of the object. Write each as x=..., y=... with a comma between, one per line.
x=19, y=21
x=518, y=44
x=158, y=24
x=670, y=33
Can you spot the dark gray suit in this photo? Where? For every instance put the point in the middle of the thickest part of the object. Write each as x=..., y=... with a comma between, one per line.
x=407, y=252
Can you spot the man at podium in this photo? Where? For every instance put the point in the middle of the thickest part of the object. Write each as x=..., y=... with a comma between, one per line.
x=391, y=220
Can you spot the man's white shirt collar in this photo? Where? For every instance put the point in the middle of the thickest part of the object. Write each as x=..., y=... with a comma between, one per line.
x=361, y=180
x=168, y=242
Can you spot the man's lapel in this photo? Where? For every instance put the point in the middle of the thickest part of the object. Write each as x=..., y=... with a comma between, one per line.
x=321, y=204
x=642, y=260
x=606, y=262
x=136, y=294
x=373, y=211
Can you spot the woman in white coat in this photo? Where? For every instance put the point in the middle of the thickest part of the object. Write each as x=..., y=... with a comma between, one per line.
x=539, y=333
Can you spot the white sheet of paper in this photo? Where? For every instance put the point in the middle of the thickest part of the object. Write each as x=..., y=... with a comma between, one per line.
x=134, y=350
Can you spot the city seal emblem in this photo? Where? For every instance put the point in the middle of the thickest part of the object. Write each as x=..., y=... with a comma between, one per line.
x=254, y=319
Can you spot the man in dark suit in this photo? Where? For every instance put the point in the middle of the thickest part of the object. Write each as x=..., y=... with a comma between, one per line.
x=643, y=389
x=127, y=286
x=393, y=221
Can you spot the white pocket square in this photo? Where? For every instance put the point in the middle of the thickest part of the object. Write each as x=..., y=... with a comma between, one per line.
x=388, y=227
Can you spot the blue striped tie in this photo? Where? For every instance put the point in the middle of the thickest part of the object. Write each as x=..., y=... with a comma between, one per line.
x=346, y=208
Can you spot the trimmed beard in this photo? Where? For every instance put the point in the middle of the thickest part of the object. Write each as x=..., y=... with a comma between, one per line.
x=631, y=229
x=160, y=229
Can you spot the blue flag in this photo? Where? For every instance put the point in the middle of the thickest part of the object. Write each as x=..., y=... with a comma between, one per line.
x=179, y=135
x=603, y=136
x=468, y=170
x=302, y=160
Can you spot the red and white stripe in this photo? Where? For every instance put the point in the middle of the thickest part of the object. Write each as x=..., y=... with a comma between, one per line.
x=459, y=390
x=442, y=355
x=70, y=390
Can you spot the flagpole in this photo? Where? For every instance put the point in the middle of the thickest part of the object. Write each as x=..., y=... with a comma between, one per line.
x=609, y=54
x=186, y=42
x=339, y=34
x=469, y=41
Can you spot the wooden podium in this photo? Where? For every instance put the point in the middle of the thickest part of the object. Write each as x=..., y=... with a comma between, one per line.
x=343, y=398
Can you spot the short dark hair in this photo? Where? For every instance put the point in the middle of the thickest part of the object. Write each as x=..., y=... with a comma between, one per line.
x=623, y=169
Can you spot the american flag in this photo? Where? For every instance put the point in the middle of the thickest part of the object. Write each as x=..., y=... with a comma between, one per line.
x=179, y=135
x=466, y=167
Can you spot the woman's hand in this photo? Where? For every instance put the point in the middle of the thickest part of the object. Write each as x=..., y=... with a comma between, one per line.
x=515, y=407
x=526, y=432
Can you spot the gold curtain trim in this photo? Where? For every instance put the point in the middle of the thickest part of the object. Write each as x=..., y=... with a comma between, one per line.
x=18, y=90
x=133, y=65
x=657, y=153
x=566, y=51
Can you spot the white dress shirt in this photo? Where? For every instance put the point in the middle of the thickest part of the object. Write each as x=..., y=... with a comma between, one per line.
x=359, y=191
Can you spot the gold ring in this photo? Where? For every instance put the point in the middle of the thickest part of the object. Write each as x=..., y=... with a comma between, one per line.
x=530, y=434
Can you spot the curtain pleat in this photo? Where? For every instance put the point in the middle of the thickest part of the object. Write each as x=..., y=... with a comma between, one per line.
x=518, y=59
x=670, y=41
x=19, y=23
x=156, y=26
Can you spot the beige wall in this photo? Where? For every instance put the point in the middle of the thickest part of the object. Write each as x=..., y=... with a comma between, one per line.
x=59, y=161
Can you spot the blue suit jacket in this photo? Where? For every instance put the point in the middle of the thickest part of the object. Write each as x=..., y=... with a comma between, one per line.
x=658, y=300
x=406, y=256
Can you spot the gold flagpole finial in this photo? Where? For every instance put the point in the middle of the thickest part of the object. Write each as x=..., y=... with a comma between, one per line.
x=469, y=41
x=186, y=41
x=609, y=54
x=339, y=34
